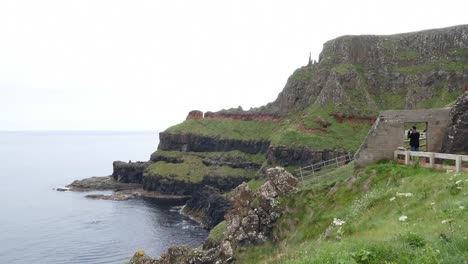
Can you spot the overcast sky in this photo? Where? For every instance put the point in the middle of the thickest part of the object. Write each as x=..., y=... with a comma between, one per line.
x=142, y=65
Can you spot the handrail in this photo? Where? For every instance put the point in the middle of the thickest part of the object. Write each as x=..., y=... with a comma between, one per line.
x=320, y=169
x=432, y=156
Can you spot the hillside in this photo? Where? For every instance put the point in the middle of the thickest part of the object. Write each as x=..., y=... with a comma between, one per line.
x=390, y=213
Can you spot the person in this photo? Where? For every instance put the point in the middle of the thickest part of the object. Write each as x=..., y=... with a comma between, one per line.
x=413, y=136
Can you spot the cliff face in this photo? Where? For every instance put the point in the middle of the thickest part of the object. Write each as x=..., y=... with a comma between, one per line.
x=362, y=75
x=198, y=143
x=456, y=140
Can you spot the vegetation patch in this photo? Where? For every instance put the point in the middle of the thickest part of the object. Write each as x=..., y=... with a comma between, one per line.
x=217, y=233
x=459, y=52
x=193, y=170
x=386, y=213
x=229, y=129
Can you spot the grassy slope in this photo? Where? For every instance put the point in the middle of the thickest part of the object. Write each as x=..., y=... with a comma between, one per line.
x=289, y=131
x=372, y=225
x=193, y=169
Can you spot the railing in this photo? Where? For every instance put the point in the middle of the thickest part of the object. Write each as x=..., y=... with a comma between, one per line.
x=320, y=170
x=432, y=159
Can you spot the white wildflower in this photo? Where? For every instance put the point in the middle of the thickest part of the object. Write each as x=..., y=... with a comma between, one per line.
x=402, y=218
x=449, y=171
x=446, y=221
x=392, y=199
x=458, y=182
x=461, y=207
x=459, y=187
x=433, y=203
x=404, y=194
x=338, y=222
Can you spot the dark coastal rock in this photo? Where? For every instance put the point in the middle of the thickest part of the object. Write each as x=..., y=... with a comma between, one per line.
x=113, y=197
x=222, y=183
x=169, y=185
x=209, y=205
x=100, y=183
x=456, y=140
x=250, y=221
x=198, y=143
x=290, y=156
x=123, y=195
x=129, y=172
x=233, y=162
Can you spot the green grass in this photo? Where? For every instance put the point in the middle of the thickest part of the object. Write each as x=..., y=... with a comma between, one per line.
x=193, y=170
x=230, y=129
x=444, y=65
x=459, y=52
x=416, y=69
x=255, y=184
x=256, y=158
x=302, y=74
x=345, y=136
x=217, y=233
x=372, y=228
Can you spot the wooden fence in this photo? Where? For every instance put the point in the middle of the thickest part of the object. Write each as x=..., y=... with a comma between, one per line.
x=432, y=160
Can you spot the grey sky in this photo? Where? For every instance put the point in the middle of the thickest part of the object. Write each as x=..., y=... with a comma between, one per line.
x=131, y=65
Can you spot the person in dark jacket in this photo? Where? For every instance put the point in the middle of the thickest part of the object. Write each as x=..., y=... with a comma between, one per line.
x=413, y=136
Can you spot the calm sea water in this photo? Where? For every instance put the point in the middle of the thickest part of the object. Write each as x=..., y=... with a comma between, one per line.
x=39, y=225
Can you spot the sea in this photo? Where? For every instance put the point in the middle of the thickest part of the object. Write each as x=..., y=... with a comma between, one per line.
x=41, y=225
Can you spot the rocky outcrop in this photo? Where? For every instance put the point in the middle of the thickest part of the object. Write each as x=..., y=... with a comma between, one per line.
x=100, y=183
x=250, y=221
x=362, y=75
x=198, y=143
x=289, y=156
x=131, y=172
x=127, y=194
x=194, y=114
x=208, y=205
x=244, y=116
x=254, y=212
x=456, y=140
x=171, y=185
x=167, y=185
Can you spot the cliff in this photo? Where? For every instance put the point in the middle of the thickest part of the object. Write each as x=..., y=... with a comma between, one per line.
x=362, y=75
x=324, y=111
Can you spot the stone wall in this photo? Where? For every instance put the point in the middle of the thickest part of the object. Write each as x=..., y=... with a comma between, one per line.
x=387, y=133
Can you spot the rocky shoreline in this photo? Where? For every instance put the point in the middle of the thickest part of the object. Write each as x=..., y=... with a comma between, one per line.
x=121, y=191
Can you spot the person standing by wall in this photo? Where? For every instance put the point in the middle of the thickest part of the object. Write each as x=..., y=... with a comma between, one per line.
x=413, y=136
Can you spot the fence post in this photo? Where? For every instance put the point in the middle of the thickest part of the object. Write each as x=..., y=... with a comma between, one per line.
x=431, y=160
x=407, y=157
x=458, y=163
x=395, y=155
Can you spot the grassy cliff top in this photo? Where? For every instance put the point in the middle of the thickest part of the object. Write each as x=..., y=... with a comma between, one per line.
x=295, y=130
x=192, y=169
x=391, y=214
